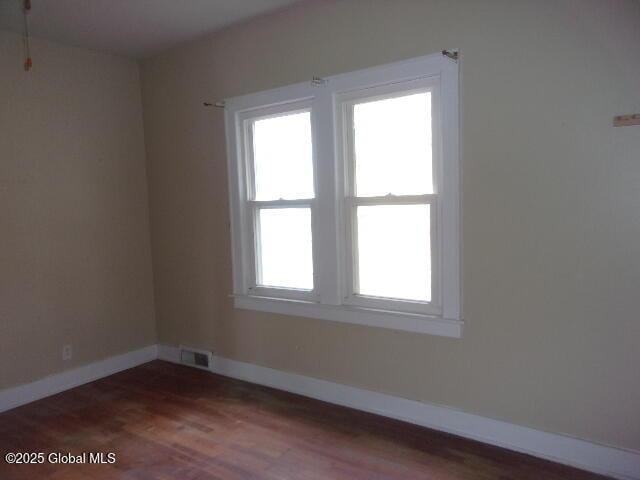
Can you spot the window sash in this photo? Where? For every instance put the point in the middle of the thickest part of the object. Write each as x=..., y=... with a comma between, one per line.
x=265, y=113
x=272, y=291
x=346, y=103
x=351, y=295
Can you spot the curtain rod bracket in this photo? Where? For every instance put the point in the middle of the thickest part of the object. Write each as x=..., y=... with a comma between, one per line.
x=452, y=54
x=319, y=82
x=220, y=104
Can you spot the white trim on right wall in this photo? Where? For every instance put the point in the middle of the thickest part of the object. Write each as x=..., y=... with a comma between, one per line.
x=614, y=462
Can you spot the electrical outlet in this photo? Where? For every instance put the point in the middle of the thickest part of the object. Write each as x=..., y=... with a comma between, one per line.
x=67, y=352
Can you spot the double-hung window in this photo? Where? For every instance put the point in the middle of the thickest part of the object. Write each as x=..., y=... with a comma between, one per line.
x=344, y=197
x=280, y=199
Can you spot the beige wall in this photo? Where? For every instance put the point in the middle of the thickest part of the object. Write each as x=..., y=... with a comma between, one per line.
x=75, y=263
x=551, y=208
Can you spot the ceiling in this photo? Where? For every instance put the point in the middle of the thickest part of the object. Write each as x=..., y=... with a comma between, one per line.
x=134, y=28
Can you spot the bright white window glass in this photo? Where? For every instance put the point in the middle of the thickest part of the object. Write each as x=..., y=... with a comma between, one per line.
x=282, y=156
x=285, y=258
x=394, y=251
x=392, y=140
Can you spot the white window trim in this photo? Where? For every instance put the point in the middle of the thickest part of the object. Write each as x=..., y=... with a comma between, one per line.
x=344, y=103
x=331, y=298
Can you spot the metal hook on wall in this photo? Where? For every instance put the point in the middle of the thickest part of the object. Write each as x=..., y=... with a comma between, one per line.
x=220, y=104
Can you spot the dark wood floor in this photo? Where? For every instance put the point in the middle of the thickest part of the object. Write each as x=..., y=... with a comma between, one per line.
x=165, y=422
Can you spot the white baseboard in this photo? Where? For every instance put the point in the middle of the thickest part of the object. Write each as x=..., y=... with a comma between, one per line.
x=614, y=462
x=59, y=382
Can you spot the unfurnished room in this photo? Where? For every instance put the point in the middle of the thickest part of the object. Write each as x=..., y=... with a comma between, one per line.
x=319, y=239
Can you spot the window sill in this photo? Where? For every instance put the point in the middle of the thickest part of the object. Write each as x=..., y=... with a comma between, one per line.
x=408, y=322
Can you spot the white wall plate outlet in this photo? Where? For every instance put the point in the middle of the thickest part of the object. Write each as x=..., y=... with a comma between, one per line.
x=67, y=352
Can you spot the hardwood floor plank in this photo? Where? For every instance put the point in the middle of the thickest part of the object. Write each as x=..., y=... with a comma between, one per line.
x=167, y=422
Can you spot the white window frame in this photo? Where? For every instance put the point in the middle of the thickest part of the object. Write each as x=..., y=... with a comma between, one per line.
x=333, y=296
x=344, y=124
x=252, y=206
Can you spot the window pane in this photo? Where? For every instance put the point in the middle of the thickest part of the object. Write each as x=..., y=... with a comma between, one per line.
x=282, y=157
x=392, y=140
x=285, y=248
x=394, y=251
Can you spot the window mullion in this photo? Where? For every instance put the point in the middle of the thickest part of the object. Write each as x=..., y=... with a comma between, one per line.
x=326, y=214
